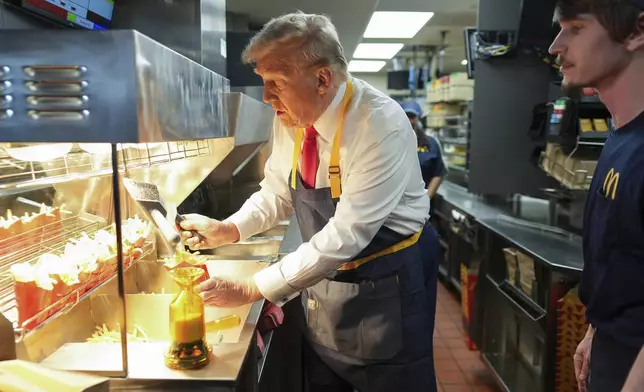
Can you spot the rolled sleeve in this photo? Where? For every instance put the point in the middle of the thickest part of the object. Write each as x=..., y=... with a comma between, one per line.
x=273, y=286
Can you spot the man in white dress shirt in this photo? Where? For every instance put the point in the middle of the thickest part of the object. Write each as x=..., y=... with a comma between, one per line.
x=344, y=161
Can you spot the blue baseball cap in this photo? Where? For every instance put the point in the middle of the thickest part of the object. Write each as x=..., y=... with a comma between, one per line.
x=412, y=107
x=639, y=3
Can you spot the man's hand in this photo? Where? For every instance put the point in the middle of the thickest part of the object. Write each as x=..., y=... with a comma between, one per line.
x=213, y=232
x=228, y=293
x=582, y=359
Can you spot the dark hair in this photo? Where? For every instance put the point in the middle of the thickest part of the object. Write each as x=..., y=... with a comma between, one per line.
x=618, y=17
x=421, y=138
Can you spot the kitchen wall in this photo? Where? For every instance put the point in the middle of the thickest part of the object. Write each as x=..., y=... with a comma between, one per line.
x=377, y=80
x=194, y=28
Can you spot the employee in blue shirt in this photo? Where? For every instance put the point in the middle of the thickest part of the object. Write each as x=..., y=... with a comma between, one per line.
x=430, y=155
x=601, y=45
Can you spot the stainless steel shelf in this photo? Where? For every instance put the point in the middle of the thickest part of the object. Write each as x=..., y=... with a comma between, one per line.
x=74, y=298
x=51, y=238
x=130, y=89
x=455, y=117
x=589, y=143
x=88, y=160
x=457, y=141
x=48, y=238
x=457, y=168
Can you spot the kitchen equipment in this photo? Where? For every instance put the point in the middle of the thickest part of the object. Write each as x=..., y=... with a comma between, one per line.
x=168, y=119
x=223, y=323
x=188, y=348
x=149, y=197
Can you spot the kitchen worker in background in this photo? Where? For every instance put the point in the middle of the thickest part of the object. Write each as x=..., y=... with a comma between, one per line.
x=430, y=154
x=344, y=160
x=601, y=45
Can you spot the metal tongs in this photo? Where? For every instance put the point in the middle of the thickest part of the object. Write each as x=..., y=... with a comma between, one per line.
x=149, y=197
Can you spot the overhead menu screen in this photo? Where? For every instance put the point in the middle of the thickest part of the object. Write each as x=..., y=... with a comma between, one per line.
x=88, y=14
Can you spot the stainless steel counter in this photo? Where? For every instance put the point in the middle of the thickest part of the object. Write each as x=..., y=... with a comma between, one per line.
x=557, y=251
x=234, y=366
x=466, y=202
x=146, y=368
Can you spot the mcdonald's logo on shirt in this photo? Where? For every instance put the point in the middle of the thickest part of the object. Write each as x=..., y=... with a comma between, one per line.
x=611, y=182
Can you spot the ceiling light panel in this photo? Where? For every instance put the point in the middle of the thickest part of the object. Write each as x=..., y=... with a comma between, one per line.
x=376, y=51
x=386, y=24
x=366, y=65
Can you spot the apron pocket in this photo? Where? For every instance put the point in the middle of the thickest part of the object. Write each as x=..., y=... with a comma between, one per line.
x=360, y=320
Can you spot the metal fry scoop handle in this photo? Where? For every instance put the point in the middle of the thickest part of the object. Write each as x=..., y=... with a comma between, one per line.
x=169, y=231
x=148, y=196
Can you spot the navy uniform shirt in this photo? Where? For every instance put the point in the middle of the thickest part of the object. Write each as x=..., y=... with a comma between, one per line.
x=430, y=157
x=612, y=284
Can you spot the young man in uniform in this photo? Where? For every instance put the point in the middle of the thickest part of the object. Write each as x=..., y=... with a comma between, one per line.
x=601, y=45
x=430, y=153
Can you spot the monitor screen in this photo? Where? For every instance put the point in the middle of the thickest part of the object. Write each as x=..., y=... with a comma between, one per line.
x=470, y=35
x=86, y=14
x=399, y=80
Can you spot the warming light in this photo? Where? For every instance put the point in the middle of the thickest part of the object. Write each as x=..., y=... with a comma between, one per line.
x=386, y=24
x=365, y=65
x=376, y=51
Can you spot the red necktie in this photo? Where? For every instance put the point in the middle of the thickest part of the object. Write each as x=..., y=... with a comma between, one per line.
x=309, y=166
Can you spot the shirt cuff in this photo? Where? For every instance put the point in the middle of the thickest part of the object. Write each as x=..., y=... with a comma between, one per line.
x=247, y=225
x=273, y=286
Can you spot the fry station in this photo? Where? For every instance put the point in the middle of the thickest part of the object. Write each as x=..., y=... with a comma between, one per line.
x=89, y=277
x=321, y=196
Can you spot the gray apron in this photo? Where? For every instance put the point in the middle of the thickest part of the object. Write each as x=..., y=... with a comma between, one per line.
x=369, y=328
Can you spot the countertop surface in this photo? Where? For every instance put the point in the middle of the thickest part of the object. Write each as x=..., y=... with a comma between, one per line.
x=469, y=203
x=558, y=251
x=146, y=359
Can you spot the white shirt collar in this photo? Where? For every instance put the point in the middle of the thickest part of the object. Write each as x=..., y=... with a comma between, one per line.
x=327, y=124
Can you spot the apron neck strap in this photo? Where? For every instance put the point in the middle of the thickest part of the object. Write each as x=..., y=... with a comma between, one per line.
x=334, y=161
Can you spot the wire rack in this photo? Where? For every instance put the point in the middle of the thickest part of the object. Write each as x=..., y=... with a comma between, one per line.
x=571, y=179
x=66, y=303
x=149, y=154
x=51, y=238
x=30, y=245
x=79, y=163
